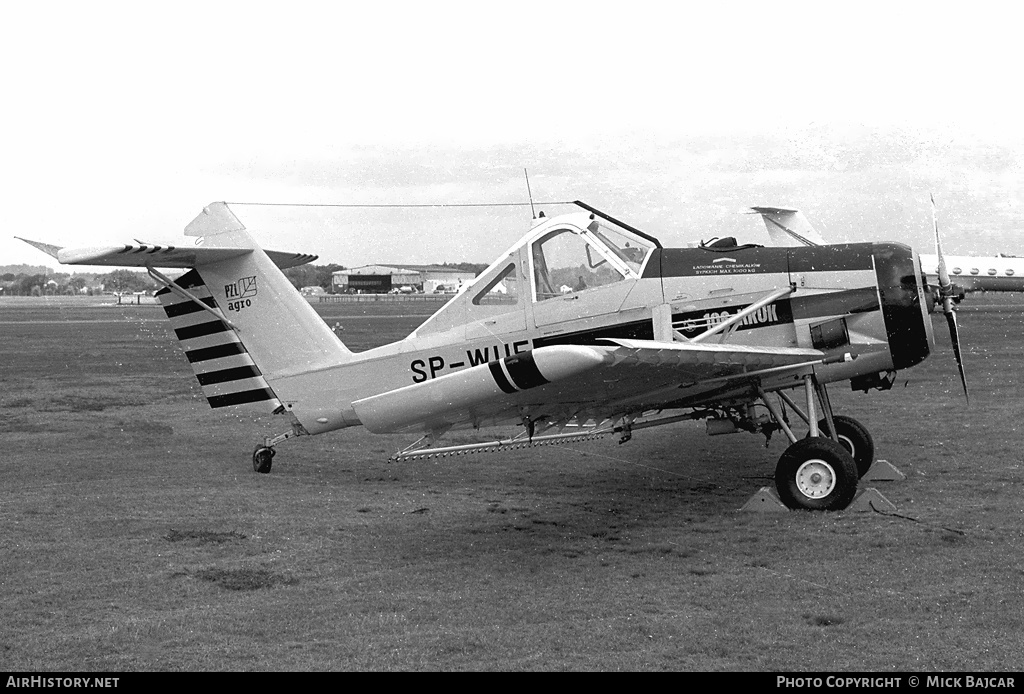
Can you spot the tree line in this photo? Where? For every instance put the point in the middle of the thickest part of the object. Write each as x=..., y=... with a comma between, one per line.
x=123, y=281
x=64, y=284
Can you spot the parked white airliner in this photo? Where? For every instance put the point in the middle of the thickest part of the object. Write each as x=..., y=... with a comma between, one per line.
x=789, y=227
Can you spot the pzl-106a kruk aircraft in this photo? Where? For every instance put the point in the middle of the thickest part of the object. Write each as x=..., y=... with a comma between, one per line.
x=586, y=326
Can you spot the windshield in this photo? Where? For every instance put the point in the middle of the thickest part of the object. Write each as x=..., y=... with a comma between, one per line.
x=627, y=247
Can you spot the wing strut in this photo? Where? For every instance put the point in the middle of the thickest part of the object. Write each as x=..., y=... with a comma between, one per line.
x=177, y=289
x=739, y=317
x=777, y=414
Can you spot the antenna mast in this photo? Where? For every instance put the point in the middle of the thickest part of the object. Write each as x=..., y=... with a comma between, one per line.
x=528, y=193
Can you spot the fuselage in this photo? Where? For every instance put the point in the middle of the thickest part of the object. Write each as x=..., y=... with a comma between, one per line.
x=563, y=285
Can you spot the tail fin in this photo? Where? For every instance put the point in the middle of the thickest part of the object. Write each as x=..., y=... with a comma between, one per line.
x=788, y=227
x=268, y=330
x=278, y=326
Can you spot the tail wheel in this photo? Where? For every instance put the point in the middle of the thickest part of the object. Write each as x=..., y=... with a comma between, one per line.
x=856, y=439
x=262, y=459
x=816, y=474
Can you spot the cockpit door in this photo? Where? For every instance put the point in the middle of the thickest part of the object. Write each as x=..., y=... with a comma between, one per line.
x=572, y=278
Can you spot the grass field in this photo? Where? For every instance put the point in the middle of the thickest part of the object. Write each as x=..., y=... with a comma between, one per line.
x=136, y=536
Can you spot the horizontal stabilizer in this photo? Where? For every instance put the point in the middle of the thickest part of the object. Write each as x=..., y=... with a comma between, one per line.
x=143, y=255
x=46, y=248
x=286, y=260
x=148, y=255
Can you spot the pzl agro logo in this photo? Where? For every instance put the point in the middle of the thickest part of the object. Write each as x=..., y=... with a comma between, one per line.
x=238, y=293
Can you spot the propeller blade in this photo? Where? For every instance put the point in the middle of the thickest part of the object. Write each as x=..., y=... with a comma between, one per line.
x=945, y=284
x=954, y=336
x=946, y=295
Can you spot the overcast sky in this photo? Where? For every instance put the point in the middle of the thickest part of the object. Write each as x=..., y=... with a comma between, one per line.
x=121, y=121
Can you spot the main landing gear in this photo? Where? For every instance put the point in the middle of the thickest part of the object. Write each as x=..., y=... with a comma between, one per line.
x=820, y=472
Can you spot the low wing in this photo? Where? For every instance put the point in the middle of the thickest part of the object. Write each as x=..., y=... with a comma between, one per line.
x=149, y=255
x=560, y=383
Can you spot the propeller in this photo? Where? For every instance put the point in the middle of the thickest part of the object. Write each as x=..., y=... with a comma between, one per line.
x=946, y=296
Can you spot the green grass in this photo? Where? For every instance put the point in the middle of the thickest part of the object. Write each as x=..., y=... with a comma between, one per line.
x=137, y=537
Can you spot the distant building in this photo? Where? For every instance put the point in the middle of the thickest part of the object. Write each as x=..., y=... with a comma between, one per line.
x=381, y=279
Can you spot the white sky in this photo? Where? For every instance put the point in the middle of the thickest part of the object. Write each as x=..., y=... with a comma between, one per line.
x=122, y=121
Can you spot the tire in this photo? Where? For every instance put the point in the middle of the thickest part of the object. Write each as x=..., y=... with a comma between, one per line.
x=856, y=439
x=816, y=474
x=262, y=459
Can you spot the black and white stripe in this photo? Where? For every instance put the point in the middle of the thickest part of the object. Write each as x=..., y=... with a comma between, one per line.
x=517, y=372
x=222, y=365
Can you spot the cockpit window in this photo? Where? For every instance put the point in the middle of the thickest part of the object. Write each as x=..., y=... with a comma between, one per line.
x=564, y=263
x=502, y=290
x=629, y=248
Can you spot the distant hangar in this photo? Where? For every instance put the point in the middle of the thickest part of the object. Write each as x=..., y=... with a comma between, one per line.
x=381, y=279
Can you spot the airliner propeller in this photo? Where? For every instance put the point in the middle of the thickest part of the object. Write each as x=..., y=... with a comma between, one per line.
x=946, y=296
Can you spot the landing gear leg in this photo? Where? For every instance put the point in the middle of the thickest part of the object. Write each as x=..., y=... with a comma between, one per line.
x=848, y=432
x=815, y=473
x=263, y=456
x=855, y=438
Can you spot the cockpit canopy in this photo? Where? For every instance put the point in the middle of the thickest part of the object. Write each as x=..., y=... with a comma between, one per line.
x=565, y=254
x=560, y=256
x=571, y=257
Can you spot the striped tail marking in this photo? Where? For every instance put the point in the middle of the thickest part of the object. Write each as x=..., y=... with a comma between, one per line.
x=220, y=361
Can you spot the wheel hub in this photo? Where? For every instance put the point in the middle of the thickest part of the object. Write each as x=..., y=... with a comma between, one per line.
x=815, y=479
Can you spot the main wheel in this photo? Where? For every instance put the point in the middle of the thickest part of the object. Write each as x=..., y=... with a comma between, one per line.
x=816, y=474
x=262, y=458
x=856, y=439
